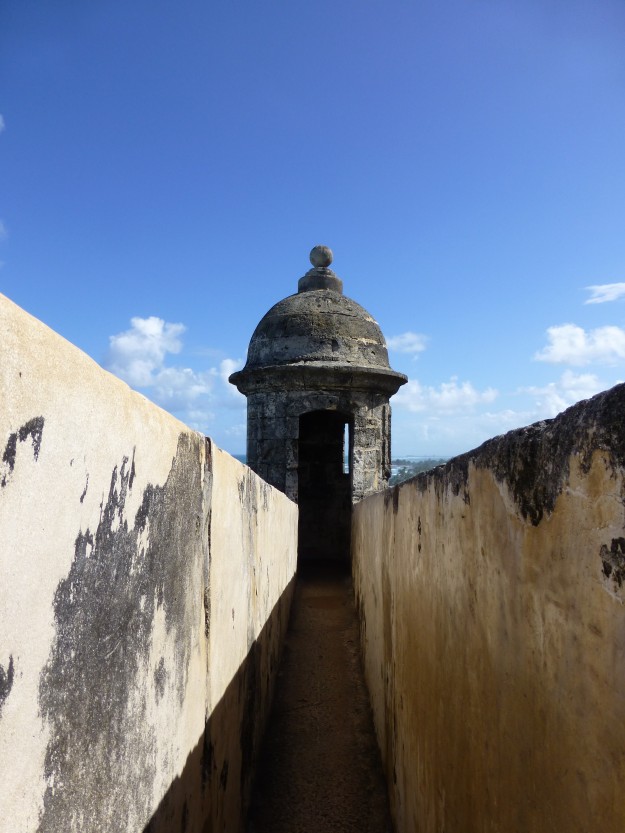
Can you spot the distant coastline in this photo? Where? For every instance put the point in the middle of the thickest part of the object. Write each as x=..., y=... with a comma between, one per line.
x=402, y=468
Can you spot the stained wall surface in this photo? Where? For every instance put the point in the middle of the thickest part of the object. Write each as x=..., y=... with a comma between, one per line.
x=145, y=582
x=493, y=621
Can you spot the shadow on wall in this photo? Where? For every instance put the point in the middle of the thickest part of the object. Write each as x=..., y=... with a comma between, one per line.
x=213, y=791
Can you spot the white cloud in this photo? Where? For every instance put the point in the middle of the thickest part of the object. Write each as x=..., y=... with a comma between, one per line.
x=2, y=123
x=177, y=387
x=139, y=356
x=407, y=343
x=226, y=367
x=555, y=397
x=425, y=425
x=604, y=292
x=3, y=231
x=445, y=435
x=448, y=398
x=570, y=344
x=138, y=353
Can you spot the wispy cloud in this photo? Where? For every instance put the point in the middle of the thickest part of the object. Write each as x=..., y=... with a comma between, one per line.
x=553, y=398
x=605, y=292
x=140, y=355
x=570, y=344
x=454, y=417
x=137, y=354
x=3, y=231
x=449, y=397
x=177, y=388
x=408, y=343
x=226, y=367
x=442, y=434
x=2, y=123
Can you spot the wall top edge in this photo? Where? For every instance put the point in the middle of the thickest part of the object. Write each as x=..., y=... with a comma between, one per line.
x=534, y=461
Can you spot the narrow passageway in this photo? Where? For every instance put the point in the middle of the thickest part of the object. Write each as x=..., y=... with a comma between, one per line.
x=320, y=768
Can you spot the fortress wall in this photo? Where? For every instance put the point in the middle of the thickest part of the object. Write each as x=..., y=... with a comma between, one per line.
x=492, y=611
x=145, y=582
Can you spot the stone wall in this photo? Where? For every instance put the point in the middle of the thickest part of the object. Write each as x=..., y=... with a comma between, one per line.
x=492, y=611
x=273, y=424
x=145, y=585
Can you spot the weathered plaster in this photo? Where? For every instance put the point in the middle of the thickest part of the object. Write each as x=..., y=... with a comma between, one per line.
x=121, y=684
x=494, y=632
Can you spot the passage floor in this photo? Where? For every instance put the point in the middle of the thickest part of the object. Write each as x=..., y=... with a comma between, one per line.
x=320, y=766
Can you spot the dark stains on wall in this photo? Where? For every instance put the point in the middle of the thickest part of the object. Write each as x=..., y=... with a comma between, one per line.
x=33, y=429
x=212, y=792
x=534, y=461
x=6, y=682
x=223, y=778
x=160, y=678
x=84, y=493
x=392, y=495
x=100, y=758
x=613, y=561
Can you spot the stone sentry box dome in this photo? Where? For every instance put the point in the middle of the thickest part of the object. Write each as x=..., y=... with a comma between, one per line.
x=317, y=377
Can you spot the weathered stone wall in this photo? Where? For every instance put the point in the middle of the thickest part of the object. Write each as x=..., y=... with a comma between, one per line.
x=493, y=621
x=273, y=435
x=145, y=581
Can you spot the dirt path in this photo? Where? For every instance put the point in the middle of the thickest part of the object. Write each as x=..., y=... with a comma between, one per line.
x=320, y=768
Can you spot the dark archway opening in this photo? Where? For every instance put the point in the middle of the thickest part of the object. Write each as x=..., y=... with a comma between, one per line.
x=324, y=487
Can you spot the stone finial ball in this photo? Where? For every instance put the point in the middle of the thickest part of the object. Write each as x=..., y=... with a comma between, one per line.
x=321, y=256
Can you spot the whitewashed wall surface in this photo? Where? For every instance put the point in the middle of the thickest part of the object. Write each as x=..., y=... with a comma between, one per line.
x=145, y=583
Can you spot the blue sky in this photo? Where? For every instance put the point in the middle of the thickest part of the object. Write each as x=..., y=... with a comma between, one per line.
x=165, y=169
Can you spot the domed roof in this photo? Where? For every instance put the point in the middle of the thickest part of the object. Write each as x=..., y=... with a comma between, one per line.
x=317, y=327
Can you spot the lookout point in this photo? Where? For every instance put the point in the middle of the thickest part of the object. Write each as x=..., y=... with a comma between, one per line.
x=189, y=644
x=318, y=384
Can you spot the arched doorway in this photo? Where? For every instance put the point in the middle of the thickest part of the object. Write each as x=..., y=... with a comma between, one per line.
x=325, y=449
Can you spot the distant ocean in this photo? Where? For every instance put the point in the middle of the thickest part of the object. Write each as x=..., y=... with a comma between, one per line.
x=395, y=464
